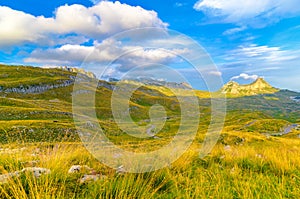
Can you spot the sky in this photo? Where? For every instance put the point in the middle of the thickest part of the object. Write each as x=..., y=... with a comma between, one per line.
x=244, y=40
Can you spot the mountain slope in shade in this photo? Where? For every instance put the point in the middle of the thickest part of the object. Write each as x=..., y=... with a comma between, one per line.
x=259, y=86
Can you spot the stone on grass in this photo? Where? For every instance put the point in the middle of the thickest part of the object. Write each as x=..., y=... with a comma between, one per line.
x=37, y=171
x=4, y=178
x=121, y=170
x=227, y=148
x=91, y=178
x=77, y=168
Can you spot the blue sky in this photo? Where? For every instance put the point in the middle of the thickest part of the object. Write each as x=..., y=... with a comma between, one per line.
x=245, y=40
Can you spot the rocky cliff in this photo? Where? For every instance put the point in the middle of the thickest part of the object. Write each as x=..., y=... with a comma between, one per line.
x=259, y=86
x=30, y=89
x=78, y=70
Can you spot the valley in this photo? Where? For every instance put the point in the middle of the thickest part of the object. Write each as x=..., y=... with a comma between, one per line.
x=256, y=155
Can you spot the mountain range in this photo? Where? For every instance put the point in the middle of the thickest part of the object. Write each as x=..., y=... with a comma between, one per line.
x=50, y=78
x=37, y=104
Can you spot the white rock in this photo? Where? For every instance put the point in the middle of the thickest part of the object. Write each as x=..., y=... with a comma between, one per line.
x=37, y=171
x=227, y=148
x=4, y=178
x=120, y=170
x=77, y=168
x=88, y=178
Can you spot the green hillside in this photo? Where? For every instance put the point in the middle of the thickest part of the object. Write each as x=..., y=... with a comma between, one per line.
x=23, y=77
x=256, y=156
x=46, y=114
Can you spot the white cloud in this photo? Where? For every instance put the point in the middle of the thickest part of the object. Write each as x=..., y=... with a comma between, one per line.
x=263, y=53
x=245, y=76
x=96, y=22
x=109, y=50
x=178, y=4
x=17, y=26
x=234, y=30
x=264, y=61
x=215, y=73
x=105, y=18
x=250, y=12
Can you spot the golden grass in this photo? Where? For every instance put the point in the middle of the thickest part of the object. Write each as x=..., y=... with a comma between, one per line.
x=265, y=168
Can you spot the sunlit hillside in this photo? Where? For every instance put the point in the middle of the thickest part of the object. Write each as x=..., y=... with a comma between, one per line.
x=256, y=155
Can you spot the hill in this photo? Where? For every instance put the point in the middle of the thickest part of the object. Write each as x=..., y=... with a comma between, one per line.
x=256, y=155
x=37, y=102
x=259, y=86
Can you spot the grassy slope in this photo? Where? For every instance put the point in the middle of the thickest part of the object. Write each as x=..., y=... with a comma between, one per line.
x=14, y=76
x=254, y=166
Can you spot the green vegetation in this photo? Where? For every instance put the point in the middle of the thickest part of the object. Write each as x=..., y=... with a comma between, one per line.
x=256, y=168
x=20, y=76
x=36, y=129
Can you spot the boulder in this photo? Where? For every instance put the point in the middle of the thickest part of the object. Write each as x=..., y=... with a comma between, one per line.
x=78, y=168
x=37, y=171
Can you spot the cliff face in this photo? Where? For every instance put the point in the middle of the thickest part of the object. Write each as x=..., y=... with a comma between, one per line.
x=37, y=88
x=231, y=87
x=259, y=86
x=29, y=80
x=79, y=70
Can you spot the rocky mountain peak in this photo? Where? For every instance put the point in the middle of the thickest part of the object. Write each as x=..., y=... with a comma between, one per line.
x=260, y=83
x=259, y=86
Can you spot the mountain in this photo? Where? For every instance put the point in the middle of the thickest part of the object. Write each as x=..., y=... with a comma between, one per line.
x=260, y=138
x=39, y=80
x=36, y=103
x=73, y=70
x=259, y=86
x=155, y=82
x=78, y=70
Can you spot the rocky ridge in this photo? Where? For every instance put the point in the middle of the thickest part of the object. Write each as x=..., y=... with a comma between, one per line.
x=40, y=88
x=30, y=89
x=259, y=86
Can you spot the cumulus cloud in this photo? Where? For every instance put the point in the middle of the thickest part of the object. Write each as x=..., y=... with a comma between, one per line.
x=17, y=26
x=109, y=50
x=254, y=13
x=77, y=35
x=245, y=76
x=105, y=18
x=66, y=54
x=96, y=22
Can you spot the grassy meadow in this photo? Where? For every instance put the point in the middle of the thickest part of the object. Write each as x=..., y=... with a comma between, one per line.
x=260, y=168
x=249, y=160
